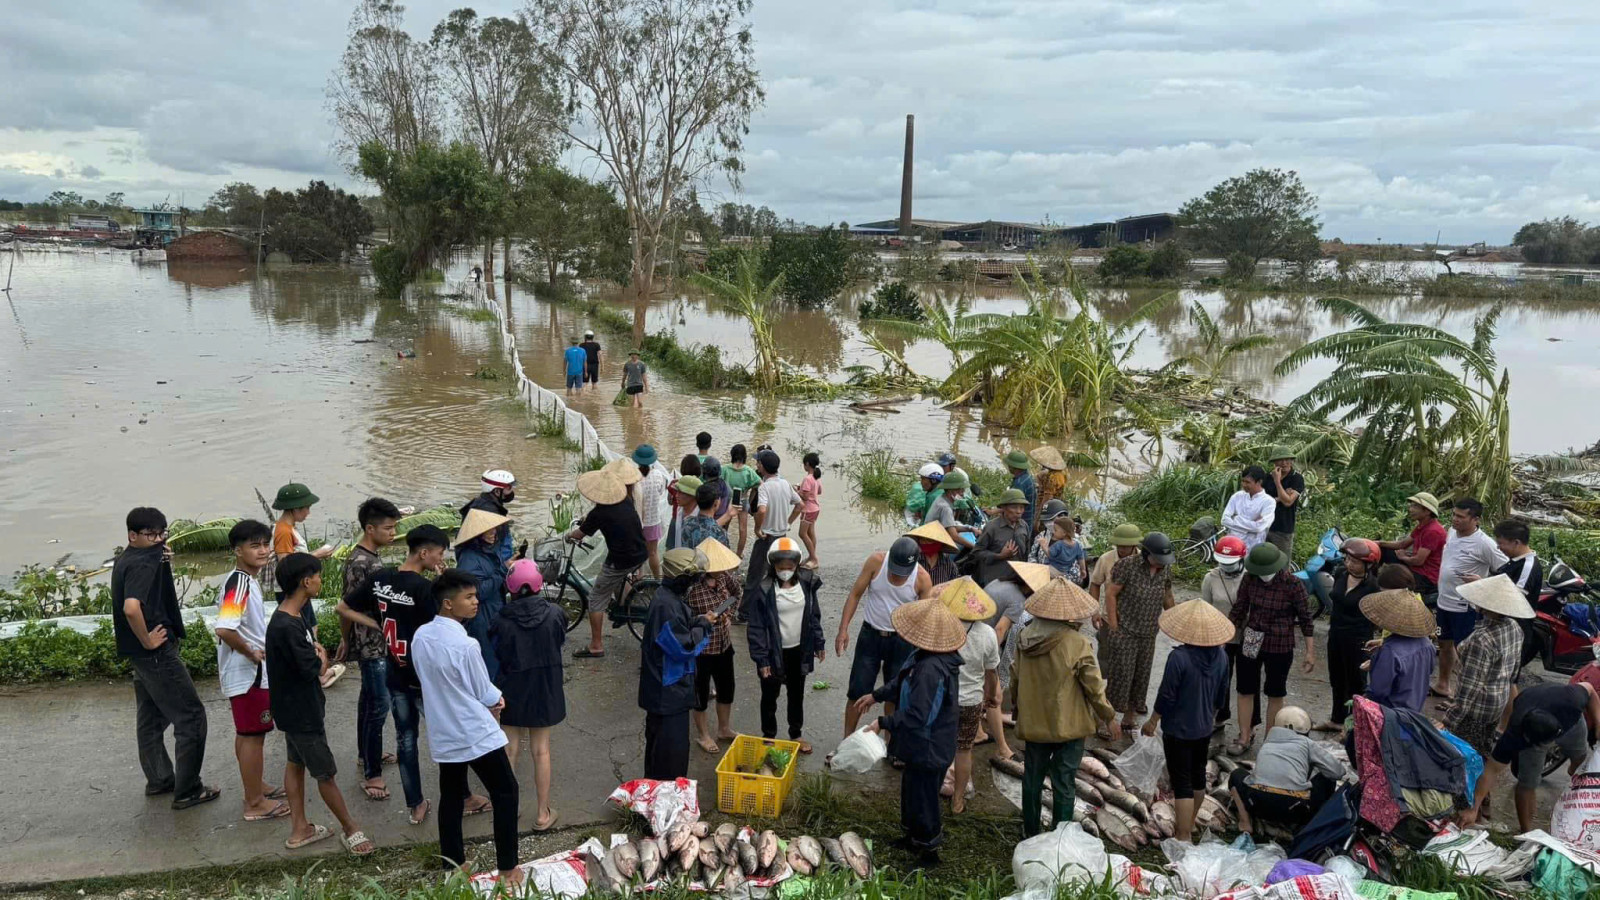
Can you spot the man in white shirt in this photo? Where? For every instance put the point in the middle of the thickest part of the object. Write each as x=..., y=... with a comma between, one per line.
x=1469, y=554
x=463, y=724
x=777, y=507
x=1250, y=510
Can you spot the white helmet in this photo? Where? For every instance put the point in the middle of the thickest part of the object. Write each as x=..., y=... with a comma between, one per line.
x=932, y=472
x=498, y=478
x=1294, y=717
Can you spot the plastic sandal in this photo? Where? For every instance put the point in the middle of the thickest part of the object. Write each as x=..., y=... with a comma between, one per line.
x=318, y=833
x=352, y=841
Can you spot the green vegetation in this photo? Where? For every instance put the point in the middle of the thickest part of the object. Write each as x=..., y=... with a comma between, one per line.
x=437, y=197
x=1122, y=262
x=1559, y=241
x=1265, y=213
x=700, y=365
x=878, y=475
x=42, y=592
x=893, y=300
x=316, y=224
x=750, y=293
x=570, y=223
x=470, y=313
x=807, y=268
x=1216, y=349
x=61, y=205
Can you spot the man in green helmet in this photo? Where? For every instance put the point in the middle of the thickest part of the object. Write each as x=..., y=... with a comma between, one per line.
x=1125, y=540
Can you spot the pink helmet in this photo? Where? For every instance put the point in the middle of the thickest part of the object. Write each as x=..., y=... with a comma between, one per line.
x=524, y=574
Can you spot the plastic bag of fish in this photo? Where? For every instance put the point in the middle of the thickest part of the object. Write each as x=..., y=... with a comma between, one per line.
x=664, y=803
x=1068, y=854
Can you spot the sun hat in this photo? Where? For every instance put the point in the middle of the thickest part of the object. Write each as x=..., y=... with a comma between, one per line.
x=934, y=532
x=1264, y=561
x=1034, y=575
x=904, y=553
x=1049, y=457
x=478, y=523
x=1158, y=548
x=498, y=478
x=1196, y=623
x=682, y=561
x=1052, y=510
x=1362, y=549
x=1016, y=459
x=1126, y=535
x=927, y=625
x=1295, y=718
x=965, y=600
x=1061, y=601
x=1498, y=594
x=644, y=455
x=602, y=487
x=947, y=459
x=955, y=481
x=573, y=338
x=1425, y=500
x=1400, y=611
x=932, y=472
x=624, y=470
x=1012, y=497
x=294, y=495
x=687, y=484
x=1229, y=549
x=718, y=557
x=1279, y=452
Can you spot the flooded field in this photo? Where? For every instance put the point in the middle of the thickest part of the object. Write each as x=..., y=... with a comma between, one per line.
x=243, y=383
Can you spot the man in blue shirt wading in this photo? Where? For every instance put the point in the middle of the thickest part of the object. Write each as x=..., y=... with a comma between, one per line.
x=577, y=360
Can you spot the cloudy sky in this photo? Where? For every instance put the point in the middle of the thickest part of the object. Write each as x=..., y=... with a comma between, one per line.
x=1407, y=117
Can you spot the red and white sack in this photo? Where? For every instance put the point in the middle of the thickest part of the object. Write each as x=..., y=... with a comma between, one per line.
x=1576, y=816
x=663, y=803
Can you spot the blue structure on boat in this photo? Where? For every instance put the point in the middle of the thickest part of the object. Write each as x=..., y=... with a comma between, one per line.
x=157, y=227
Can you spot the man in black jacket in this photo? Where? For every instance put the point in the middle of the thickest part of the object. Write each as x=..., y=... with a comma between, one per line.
x=673, y=637
x=925, y=720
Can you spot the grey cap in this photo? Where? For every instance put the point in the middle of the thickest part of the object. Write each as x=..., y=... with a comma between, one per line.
x=903, y=555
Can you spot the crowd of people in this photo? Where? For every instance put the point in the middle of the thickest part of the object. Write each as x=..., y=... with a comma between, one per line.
x=975, y=620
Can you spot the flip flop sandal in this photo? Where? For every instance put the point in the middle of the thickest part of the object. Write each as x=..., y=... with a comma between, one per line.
x=805, y=747
x=335, y=672
x=277, y=812
x=318, y=833
x=987, y=739
x=413, y=818
x=278, y=793
x=389, y=759
x=206, y=795
x=486, y=807
x=375, y=793
x=555, y=816
x=586, y=653
x=352, y=841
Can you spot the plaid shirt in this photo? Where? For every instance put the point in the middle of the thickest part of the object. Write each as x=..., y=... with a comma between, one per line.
x=1273, y=607
x=1489, y=659
x=705, y=595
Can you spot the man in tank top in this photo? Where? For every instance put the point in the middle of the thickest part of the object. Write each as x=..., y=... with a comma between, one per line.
x=887, y=580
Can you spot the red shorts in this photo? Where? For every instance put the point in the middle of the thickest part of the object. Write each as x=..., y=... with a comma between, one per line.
x=252, y=711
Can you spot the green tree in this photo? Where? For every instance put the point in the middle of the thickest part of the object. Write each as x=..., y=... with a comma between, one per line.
x=1263, y=214
x=1434, y=408
x=571, y=222
x=815, y=266
x=386, y=87
x=115, y=200
x=751, y=294
x=438, y=198
x=237, y=204
x=1122, y=262
x=64, y=199
x=662, y=92
x=1216, y=349
x=1558, y=241
x=1170, y=260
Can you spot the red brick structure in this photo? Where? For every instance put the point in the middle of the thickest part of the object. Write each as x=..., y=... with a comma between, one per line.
x=210, y=246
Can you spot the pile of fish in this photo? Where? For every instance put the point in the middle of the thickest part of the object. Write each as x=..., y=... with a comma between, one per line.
x=1106, y=808
x=721, y=860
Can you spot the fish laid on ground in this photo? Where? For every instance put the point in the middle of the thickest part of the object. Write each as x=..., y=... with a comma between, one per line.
x=1165, y=815
x=1103, y=754
x=1219, y=812
x=1082, y=810
x=1213, y=772
x=1089, y=792
x=856, y=854
x=1094, y=768
x=625, y=859
x=700, y=829
x=1225, y=763
x=1116, y=828
x=725, y=835
x=809, y=849
x=732, y=880
x=650, y=855
x=835, y=852
x=1221, y=794
x=797, y=860
x=1116, y=781
x=1128, y=803
x=594, y=871
x=714, y=880
x=689, y=855
x=710, y=857
x=1009, y=766
x=767, y=848
x=679, y=835
x=748, y=857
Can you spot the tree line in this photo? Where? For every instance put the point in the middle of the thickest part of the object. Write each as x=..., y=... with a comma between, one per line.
x=1559, y=241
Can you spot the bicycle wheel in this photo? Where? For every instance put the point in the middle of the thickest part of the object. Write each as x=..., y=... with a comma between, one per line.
x=633, y=604
x=571, y=600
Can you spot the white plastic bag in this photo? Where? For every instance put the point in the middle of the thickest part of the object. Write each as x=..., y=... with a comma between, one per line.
x=859, y=752
x=1207, y=869
x=1066, y=854
x=664, y=803
x=1141, y=765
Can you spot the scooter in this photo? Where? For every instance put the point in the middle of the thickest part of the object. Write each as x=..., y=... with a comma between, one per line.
x=1322, y=568
x=1564, y=633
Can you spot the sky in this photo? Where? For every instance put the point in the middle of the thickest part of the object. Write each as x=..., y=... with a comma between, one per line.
x=1408, y=118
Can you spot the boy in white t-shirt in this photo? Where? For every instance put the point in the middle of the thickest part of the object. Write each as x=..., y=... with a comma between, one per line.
x=241, y=652
x=979, y=683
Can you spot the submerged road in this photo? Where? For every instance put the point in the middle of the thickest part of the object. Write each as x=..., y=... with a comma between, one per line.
x=73, y=794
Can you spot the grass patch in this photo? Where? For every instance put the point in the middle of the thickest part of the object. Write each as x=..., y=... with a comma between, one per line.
x=876, y=475
x=991, y=480
x=588, y=464
x=470, y=313
x=491, y=372
x=553, y=428
x=699, y=365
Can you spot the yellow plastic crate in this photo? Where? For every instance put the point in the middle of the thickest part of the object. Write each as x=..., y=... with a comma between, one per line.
x=742, y=794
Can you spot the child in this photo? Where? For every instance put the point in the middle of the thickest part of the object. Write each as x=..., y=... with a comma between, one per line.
x=810, y=493
x=742, y=481
x=979, y=683
x=1194, y=684
x=527, y=638
x=463, y=731
x=241, y=648
x=702, y=446
x=634, y=379
x=294, y=502
x=1524, y=568
x=1066, y=554
x=294, y=668
x=785, y=636
x=362, y=635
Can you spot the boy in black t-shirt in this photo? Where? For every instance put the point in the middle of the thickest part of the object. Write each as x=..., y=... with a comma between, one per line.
x=294, y=669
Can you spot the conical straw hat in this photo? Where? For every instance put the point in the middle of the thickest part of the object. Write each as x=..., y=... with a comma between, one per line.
x=1197, y=623
x=718, y=557
x=1049, y=457
x=602, y=487
x=933, y=532
x=478, y=522
x=927, y=625
x=1400, y=611
x=1497, y=595
x=966, y=601
x=1060, y=600
x=1034, y=575
x=626, y=470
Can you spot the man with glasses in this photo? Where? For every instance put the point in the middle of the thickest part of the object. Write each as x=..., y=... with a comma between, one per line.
x=148, y=626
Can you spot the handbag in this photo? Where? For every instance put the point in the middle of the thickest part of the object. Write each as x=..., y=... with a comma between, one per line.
x=1250, y=644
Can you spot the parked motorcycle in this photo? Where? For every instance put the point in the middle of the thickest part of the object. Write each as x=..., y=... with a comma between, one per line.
x=1565, y=631
x=1321, y=569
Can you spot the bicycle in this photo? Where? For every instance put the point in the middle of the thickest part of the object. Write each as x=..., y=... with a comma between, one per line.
x=569, y=589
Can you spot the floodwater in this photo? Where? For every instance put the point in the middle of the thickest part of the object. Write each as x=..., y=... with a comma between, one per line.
x=245, y=383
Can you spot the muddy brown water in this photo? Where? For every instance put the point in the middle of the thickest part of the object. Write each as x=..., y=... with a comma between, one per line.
x=246, y=382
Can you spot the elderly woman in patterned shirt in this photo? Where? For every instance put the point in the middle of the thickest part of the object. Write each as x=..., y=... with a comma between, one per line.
x=1489, y=660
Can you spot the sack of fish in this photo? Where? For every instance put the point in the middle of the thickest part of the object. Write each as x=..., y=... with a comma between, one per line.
x=1106, y=806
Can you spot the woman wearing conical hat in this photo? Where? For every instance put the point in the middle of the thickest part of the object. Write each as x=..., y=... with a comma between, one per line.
x=1194, y=684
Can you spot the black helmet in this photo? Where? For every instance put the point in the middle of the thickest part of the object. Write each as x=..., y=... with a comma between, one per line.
x=1157, y=548
x=903, y=556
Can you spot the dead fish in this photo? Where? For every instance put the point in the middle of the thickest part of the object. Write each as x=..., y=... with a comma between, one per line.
x=1090, y=827
x=1094, y=768
x=594, y=870
x=767, y=847
x=700, y=829
x=1221, y=794
x=1165, y=817
x=856, y=854
x=732, y=880
x=809, y=849
x=1219, y=812
x=725, y=835
x=1128, y=803
x=625, y=859
x=1009, y=766
x=1225, y=763
x=649, y=859
x=714, y=880
x=1082, y=811
x=835, y=852
x=679, y=835
x=1116, y=829
x=1213, y=772
x=1088, y=792
x=796, y=860
x=1248, y=765
x=1103, y=754
x=689, y=855
x=1153, y=831
x=748, y=857
x=710, y=857
x=1115, y=781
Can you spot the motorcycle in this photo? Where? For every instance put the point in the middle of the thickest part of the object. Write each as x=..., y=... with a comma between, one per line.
x=1564, y=633
x=1322, y=568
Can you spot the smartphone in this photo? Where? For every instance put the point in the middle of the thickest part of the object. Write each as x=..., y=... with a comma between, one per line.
x=724, y=606
x=738, y=496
